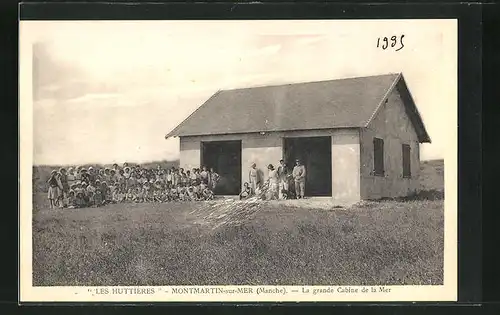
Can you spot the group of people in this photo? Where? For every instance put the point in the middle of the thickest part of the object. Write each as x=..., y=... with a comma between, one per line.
x=281, y=182
x=80, y=187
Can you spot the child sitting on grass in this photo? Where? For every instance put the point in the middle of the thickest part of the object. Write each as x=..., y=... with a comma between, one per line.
x=130, y=195
x=190, y=194
x=158, y=195
x=284, y=194
x=166, y=193
x=192, y=190
x=182, y=193
x=119, y=195
x=173, y=195
x=80, y=196
x=158, y=191
x=246, y=192
x=200, y=189
x=71, y=199
x=139, y=194
x=208, y=194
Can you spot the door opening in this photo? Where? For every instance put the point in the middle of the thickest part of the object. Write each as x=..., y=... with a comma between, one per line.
x=225, y=158
x=316, y=154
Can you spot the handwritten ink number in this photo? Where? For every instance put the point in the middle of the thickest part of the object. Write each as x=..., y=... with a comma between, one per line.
x=401, y=41
x=393, y=42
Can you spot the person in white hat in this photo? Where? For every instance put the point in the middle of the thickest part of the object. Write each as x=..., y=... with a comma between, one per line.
x=299, y=176
x=253, y=178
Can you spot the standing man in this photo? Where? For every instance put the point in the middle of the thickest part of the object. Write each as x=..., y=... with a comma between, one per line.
x=204, y=175
x=253, y=178
x=299, y=176
x=283, y=175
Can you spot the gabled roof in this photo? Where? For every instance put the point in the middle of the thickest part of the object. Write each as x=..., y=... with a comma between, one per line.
x=343, y=103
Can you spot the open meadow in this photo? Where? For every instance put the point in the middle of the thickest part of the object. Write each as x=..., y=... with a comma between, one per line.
x=224, y=242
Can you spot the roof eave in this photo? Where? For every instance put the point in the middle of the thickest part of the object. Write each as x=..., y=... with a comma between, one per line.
x=256, y=132
x=425, y=139
x=423, y=135
x=174, y=132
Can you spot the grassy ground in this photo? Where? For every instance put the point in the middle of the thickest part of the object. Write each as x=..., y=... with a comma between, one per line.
x=385, y=242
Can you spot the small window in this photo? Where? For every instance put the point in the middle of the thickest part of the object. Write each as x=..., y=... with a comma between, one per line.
x=406, y=161
x=378, y=157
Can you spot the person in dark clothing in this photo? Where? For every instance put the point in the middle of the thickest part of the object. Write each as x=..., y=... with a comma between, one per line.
x=284, y=176
x=54, y=189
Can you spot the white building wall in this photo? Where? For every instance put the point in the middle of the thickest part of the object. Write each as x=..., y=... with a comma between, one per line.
x=345, y=165
x=265, y=149
x=393, y=125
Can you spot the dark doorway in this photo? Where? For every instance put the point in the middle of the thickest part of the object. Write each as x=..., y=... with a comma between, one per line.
x=316, y=154
x=225, y=158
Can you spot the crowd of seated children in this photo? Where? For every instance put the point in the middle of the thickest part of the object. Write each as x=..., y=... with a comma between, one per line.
x=93, y=187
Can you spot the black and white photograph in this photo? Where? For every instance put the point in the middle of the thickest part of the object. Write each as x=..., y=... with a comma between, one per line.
x=258, y=160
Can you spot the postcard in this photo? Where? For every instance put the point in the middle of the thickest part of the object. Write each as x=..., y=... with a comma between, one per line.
x=238, y=161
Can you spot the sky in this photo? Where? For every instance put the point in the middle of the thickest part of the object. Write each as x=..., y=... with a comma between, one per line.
x=109, y=91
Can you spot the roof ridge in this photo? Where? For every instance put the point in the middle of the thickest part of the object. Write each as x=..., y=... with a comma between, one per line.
x=382, y=101
x=309, y=82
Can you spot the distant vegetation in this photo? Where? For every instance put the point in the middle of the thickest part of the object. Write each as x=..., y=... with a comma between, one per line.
x=431, y=180
x=432, y=175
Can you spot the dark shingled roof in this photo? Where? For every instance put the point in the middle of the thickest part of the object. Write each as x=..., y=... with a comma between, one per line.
x=343, y=103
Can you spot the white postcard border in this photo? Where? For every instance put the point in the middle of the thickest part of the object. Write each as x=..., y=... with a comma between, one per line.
x=29, y=293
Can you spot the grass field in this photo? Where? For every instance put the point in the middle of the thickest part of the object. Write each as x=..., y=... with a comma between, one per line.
x=379, y=242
